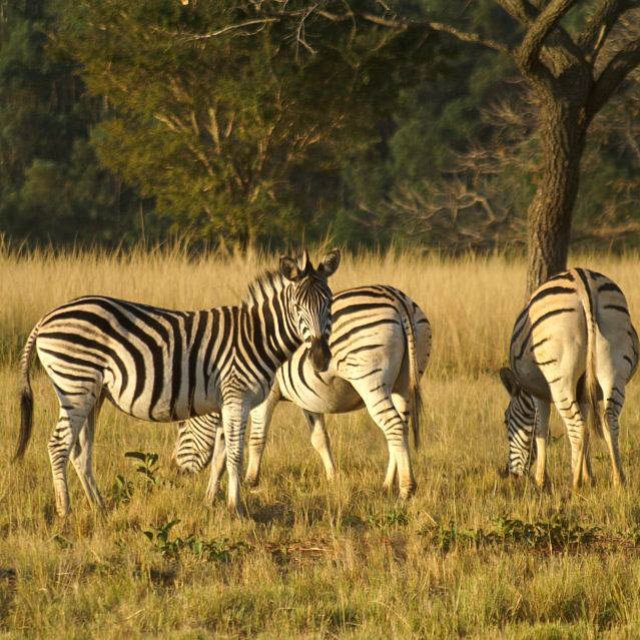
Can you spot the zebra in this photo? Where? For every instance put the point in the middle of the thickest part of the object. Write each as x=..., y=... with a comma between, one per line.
x=381, y=343
x=573, y=345
x=163, y=365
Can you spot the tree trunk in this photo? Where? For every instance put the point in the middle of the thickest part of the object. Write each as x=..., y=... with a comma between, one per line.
x=562, y=131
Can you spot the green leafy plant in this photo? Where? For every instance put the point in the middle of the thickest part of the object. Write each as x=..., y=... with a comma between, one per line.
x=122, y=490
x=61, y=541
x=210, y=550
x=558, y=533
x=160, y=537
x=394, y=517
x=147, y=465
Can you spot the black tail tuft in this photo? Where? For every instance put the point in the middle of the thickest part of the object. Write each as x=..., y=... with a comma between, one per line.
x=416, y=413
x=26, y=422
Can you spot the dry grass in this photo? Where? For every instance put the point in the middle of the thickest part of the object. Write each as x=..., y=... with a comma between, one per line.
x=471, y=556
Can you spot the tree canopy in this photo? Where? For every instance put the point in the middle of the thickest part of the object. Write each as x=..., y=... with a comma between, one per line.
x=269, y=122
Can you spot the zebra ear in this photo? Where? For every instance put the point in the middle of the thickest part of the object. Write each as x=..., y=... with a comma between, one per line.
x=509, y=381
x=330, y=263
x=303, y=262
x=289, y=269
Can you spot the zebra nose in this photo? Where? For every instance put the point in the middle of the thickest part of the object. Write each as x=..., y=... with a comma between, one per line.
x=503, y=472
x=320, y=354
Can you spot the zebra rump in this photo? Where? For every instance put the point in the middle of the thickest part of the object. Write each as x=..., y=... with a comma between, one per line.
x=573, y=345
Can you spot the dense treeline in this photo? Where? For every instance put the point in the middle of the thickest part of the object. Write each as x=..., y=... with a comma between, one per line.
x=121, y=121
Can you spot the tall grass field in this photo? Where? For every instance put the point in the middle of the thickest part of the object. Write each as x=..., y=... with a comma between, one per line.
x=472, y=555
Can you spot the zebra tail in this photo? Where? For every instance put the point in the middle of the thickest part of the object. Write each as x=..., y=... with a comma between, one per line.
x=414, y=375
x=596, y=415
x=26, y=395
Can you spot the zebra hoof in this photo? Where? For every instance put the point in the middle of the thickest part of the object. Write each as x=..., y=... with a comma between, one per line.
x=543, y=484
x=63, y=508
x=619, y=481
x=63, y=514
x=407, y=493
x=237, y=511
x=210, y=496
x=252, y=481
x=99, y=507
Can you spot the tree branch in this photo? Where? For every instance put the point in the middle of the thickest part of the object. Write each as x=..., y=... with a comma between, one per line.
x=219, y=32
x=613, y=75
x=469, y=37
x=402, y=24
x=526, y=14
x=528, y=53
x=599, y=25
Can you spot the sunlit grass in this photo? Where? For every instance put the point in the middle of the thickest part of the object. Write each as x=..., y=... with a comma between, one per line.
x=315, y=560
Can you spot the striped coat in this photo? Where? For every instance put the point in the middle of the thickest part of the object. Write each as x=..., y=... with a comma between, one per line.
x=164, y=365
x=574, y=346
x=380, y=345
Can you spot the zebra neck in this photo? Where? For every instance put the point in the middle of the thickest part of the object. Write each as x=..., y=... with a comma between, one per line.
x=272, y=329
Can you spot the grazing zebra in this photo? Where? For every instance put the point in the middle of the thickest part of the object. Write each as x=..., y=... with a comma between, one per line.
x=196, y=439
x=162, y=365
x=380, y=344
x=573, y=345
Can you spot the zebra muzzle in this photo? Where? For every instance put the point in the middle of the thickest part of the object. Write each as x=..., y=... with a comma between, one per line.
x=503, y=472
x=320, y=354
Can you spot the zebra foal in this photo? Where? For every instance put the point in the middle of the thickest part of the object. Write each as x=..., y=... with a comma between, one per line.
x=573, y=345
x=164, y=365
x=380, y=346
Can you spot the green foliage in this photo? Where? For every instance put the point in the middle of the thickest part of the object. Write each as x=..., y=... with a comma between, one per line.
x=237, y=134
x=209, y=550
x=147, y=467
x=263, y=123
x=121, y=490
x=558, y=533
x=392, y=518
x=51, y=185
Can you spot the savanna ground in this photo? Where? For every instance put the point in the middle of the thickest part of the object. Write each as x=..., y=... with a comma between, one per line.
x=472, y=555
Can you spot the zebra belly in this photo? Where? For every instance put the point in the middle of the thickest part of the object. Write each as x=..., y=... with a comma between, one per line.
x=329, y=394
x=166, y=406
x=163, y=411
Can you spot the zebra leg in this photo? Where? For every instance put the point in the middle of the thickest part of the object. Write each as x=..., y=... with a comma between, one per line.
x=614, y=401
x=260, y=422
x=218, y=462
x=320, y=442
x=587, y=473
x=386, y=416
x=542, y=435
x=82, y=458
x=62, y=440
x=402, y=406
x=571, y=414
x=234, y=422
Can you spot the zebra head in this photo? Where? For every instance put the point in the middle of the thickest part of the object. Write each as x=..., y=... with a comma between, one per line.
x=195, y=443
x=310, y=303
x=519, y=419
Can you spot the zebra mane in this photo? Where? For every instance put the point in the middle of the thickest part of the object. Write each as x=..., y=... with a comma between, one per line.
x=265, y=287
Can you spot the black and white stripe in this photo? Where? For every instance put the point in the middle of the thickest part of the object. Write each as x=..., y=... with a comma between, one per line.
x=381, y=342
x=196, y=439
x=573, y=345
x=163, y=365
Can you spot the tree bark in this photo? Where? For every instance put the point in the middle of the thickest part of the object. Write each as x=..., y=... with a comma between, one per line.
x=562, y=135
